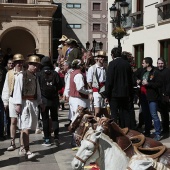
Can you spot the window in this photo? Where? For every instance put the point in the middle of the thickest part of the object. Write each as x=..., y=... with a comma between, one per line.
x=165, y=50
x=163, y=10
x=71, y=5
x=139, y=54
x=96, y=27
x=17, y=1
x=166, y=11
x=137, y=17
x=139, y=5
x=74, y=26
x=96, y=6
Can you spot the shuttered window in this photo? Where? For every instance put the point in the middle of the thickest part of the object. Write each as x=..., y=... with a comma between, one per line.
x=96, y=6
x=139, y=54
x=96, y=27
x=165, y=50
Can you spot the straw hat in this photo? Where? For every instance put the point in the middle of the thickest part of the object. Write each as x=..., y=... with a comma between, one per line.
x=63, y=38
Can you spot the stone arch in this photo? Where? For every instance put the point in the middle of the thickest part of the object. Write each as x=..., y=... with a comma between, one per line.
x=20, y=40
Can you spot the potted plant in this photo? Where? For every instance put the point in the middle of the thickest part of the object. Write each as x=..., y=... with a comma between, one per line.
x=119, y=32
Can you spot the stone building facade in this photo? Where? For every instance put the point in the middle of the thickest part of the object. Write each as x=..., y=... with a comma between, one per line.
x=26, y=26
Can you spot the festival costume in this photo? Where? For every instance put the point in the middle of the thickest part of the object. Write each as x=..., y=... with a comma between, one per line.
x=7, y=93
x=91, y=78
x=27, y=93
x=78, y=94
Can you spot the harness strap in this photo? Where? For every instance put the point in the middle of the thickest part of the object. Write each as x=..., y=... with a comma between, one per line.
x=80, y=159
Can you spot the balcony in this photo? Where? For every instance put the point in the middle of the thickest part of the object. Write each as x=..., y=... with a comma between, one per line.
x=137, y=20
x=163, y=12
x=26, y=1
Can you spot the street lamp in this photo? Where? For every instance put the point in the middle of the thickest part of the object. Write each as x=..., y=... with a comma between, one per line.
x=94, y=46
x=118, y=13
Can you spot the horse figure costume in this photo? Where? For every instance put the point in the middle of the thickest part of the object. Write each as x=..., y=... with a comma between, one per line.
x=98, y=147
x=84, y=120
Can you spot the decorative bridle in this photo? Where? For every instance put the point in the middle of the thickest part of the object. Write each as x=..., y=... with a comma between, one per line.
x=86, y=126
x=96, y=145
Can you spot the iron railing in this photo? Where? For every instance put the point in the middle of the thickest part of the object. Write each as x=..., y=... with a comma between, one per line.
x=137, y=21
x=19, y=1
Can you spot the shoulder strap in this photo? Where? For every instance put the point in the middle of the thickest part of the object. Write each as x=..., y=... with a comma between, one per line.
x=95, y=73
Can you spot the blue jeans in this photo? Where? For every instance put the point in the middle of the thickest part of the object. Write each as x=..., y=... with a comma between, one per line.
x=154, y=114
x=146, y=114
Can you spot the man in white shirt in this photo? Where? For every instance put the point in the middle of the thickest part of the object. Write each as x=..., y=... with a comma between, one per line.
x=7, y=96
x=96, y=78
x=27, y=97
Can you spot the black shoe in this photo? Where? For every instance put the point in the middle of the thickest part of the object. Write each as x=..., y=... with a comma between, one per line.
x=68, y=124
x=2, y=138
x=146, y=134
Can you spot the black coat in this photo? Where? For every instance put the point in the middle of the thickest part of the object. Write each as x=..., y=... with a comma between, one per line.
x=165, y=74
x=154, y=84
x=119, y=79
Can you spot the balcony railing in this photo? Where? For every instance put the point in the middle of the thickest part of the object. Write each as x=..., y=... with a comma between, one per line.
x=163, y=10
x=19, y=1
x=166, y=14
x=137, y=19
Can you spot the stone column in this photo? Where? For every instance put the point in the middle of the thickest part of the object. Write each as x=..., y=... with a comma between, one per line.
x=44, y=37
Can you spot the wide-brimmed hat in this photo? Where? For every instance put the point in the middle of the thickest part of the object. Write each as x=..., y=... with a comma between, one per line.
x=101, y=53
x=18, y=57
x=63, y=38
x=33, y=59
x=71, y=40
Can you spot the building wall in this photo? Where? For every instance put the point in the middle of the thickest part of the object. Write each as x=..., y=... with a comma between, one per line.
x=100, y=17
x=35, y=19
x=150, y=34
x=75, y=16
x=86, y=17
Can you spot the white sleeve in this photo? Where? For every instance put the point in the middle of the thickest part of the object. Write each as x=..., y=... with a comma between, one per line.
x=5, y=92
x=67, y=86
x=79, y=81
x=90, y=75
x=17, y=94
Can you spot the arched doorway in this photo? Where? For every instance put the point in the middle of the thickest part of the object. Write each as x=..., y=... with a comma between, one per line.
x=19, y=40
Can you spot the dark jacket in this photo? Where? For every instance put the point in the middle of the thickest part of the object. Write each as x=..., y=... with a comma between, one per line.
x=119, y=79
x=165, y=74
x=74, y=54
x=154, y=83
x=3, y=72
x=50, y=83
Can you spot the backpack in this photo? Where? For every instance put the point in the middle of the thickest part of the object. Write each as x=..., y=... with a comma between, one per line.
x=49, y=84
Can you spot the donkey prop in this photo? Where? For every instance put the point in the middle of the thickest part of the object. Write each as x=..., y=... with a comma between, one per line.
x=98, y=147
x=84, y=120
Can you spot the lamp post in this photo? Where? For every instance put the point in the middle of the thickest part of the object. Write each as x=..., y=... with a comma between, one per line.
x=94, y=46
x=118, y=13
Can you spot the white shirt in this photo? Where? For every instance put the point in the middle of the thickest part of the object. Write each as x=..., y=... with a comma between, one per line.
x=6, y=90
x=101, y=72
x=79, y=81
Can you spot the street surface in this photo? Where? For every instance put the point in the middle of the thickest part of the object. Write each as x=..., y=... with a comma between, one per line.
x=47, y=158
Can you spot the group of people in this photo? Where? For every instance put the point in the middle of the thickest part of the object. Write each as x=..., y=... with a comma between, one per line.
x=30, y=91
x=26, y=93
